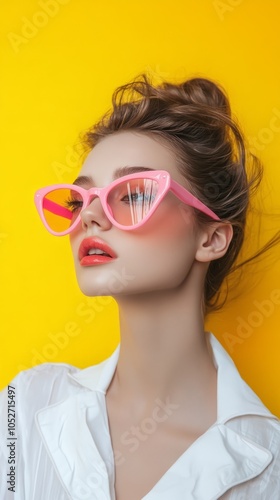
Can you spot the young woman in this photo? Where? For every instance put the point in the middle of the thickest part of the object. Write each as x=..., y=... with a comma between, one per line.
x=156, y=219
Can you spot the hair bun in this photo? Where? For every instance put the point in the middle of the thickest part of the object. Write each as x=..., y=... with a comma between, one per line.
x=205, y=92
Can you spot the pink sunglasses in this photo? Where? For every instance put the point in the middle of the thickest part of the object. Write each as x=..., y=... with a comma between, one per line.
x=128, y=202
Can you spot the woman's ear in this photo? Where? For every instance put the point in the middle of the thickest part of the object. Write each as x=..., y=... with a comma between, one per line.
x=214, y=241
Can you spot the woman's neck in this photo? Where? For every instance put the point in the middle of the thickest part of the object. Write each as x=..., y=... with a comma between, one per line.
x=164, y=354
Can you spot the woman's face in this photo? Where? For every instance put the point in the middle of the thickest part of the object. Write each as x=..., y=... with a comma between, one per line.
x=156, y=256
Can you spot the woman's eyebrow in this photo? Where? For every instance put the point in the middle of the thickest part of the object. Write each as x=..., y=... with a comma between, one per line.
x=82, y=180
x=119, y=172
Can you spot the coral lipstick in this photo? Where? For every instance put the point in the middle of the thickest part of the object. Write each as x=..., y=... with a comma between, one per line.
x=92, y=260
x=94, y=251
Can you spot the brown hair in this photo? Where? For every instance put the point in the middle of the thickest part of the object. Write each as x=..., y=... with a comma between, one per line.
x=194, y=119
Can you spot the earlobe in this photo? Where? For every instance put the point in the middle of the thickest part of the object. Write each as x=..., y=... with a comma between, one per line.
x=214, y=242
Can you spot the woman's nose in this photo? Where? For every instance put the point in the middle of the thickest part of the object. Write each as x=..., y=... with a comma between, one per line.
x=94, y=214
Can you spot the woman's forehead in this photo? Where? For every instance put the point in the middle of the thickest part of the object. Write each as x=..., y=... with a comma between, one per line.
x=119, y=172
x=119, y=153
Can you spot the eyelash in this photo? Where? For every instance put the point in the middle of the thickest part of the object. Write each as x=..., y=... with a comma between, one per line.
x=73, y=205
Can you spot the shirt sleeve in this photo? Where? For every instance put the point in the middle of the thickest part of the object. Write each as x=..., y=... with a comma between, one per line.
x=22, y=456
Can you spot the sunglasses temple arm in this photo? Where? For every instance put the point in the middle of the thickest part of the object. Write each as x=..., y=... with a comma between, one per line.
x=57, y=209
x=191, y=200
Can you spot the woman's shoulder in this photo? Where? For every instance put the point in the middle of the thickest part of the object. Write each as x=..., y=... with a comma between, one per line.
x=44, y=373
x=261, y=431
x=261, y=434
x=260, y=428
x=40, y=386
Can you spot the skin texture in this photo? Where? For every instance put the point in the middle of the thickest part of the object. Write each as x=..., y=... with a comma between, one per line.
x=164, y=354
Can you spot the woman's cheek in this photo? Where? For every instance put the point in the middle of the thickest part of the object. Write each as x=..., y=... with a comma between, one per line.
x=162, y=259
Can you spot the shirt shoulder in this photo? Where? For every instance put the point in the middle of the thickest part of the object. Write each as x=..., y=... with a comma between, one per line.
x=40, y=386
x=263, y=432
x=259, y=428
x=46, y=371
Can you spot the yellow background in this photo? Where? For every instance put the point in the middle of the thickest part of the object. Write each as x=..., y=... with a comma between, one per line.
x=60, y=63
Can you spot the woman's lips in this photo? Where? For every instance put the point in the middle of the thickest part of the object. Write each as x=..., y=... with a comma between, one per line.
x=92, y=260
x=91, y=244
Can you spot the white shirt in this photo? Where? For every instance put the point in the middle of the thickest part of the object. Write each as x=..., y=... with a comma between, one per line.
x=64, y=449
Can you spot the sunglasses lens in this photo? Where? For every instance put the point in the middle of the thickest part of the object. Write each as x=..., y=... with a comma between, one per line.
x=131, y=201
x=61, y=208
